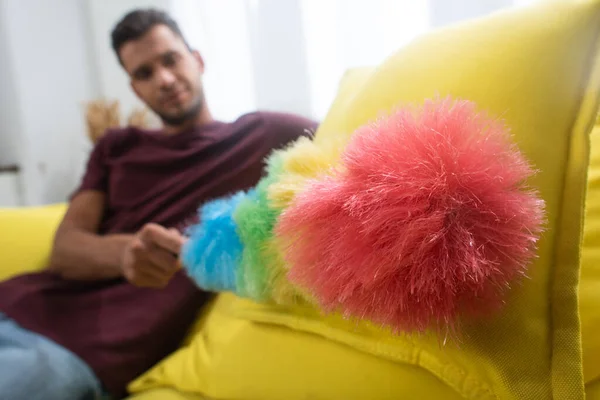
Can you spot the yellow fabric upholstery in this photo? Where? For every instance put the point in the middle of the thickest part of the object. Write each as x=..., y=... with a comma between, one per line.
x=538, y=69
x=236, y=358
x=592, y=390
x=26, y=238
x=589, y=289
x=166, y=394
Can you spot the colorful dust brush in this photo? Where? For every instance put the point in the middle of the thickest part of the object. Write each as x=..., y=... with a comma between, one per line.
x=414, y=222
x=426, y=220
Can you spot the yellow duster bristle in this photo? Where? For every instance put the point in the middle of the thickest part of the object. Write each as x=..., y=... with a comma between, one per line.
x=283, y=292
x=305, y=160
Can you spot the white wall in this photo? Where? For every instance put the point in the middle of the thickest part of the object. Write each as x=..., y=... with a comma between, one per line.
x=335, y=39
x=9, y=121
x=46, y=52
x=9, y=190
x=222, y=35
x=444, y=12
x=279, y=58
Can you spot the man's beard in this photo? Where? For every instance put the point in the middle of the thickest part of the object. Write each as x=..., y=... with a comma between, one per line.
x=190, y=114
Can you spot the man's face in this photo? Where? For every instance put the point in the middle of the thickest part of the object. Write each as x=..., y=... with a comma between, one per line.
x=165, y=74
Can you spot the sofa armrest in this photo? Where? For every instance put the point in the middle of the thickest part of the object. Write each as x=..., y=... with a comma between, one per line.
x=26, y=235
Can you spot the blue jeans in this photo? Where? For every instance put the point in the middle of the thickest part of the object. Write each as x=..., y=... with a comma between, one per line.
x=35, y=368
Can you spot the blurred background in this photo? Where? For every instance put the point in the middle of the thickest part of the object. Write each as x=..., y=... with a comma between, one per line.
x=282, y=55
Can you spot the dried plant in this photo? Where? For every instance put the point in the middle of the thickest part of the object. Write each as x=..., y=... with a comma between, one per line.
x=101, y=115
x=139, y=118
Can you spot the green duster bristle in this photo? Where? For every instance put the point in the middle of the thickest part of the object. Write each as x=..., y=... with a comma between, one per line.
x=255, y=221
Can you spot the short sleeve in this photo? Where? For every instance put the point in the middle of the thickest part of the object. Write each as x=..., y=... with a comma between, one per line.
x=96, y=172
x=287, y=128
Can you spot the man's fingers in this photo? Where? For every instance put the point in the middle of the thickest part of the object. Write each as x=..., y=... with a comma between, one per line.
x=150, y=279
x=150, y=275
x=170, y=240
x=162, y=259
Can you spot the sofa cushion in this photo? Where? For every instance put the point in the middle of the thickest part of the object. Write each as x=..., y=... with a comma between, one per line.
x=26, y=237
x=589, y=290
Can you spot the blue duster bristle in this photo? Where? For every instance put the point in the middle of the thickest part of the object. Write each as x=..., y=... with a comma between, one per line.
x=213, y=251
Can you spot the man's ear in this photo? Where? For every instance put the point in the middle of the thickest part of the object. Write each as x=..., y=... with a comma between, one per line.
x=198, y=59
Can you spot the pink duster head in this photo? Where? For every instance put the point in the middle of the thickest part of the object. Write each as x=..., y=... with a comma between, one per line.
x=427, y=220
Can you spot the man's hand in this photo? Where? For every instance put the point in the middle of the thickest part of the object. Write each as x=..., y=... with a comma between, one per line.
x=151, y=258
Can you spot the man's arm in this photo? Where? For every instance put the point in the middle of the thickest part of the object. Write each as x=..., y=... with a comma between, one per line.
x=147, y=259
x=79, y=252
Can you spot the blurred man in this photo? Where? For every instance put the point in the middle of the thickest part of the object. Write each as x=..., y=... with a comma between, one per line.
x=113, y=300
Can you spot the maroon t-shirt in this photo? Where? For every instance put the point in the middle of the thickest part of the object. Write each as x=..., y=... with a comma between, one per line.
x=118, y=329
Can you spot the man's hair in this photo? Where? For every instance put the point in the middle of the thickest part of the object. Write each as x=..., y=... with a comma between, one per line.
x=137, y=22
